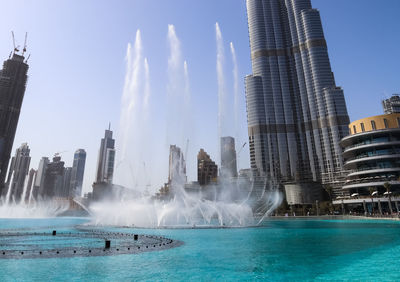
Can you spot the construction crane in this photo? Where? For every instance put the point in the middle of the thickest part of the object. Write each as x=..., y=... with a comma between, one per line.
x=24, y=50
x=59, y=153
x=13, y=38
x=241, y=148
x=26, y=61
x=238, y=153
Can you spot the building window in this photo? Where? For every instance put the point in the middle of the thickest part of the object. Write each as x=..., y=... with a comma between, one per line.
x=373, y=125
x=362, y=127
x=354, y=129
x=386, y=122
x=398, y=121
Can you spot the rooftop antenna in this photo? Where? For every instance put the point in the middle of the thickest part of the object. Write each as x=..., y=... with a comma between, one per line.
x=24, y=50
x=13, y=38
x=58, y=154
x=109, y=126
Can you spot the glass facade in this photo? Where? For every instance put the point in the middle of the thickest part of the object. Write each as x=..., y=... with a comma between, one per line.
x=296, y=113
x=78, y=170
x=105, y=164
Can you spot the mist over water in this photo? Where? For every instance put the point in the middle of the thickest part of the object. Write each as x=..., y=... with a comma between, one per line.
x=39, y=208
x=27, y=206
x=183, y=210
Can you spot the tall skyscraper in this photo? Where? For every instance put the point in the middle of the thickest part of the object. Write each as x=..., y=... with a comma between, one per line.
x=207, y=170
x=228, y=157
x=13, y=79
x=53, y=178
x=296, y=114
x=78, y=169
x=18, y=171
x=105, y=164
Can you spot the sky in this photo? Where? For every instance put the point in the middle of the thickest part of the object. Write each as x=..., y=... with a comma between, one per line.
x=78, y=67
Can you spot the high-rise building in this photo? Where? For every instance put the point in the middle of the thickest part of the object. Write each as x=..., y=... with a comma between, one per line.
x=53, y=178
x=228, y=157
x=296, y=114
x=177, y=165
x=78, y=169
x=105, y=165
x=207, y=170
x=18, y=171
x=38, y=185
x=13, y=79
x=391, y=105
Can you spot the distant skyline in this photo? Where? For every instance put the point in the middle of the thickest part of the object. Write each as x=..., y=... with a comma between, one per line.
x=77, y=66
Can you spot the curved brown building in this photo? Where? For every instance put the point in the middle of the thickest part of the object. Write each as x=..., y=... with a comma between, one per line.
x=372, y=157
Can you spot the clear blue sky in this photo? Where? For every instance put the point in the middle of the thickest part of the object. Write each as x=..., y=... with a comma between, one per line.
x=77, y=64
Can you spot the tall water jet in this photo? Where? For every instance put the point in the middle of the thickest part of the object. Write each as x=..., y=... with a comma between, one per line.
x=30, y=198
x=8, y=195
x=221, y=83
x=226, y=124
x=146, y=87
x=180, y=123
x=133, y=141
x=187, y=97
x=25, y=188
x=177, y=91
x=235, y=73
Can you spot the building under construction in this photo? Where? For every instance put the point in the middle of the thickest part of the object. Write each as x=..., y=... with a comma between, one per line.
x=13, y=78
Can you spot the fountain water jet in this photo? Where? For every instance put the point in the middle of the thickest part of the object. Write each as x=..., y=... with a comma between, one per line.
x=24, y=189
x=178, y=115
x=8, y=195
x=132, y=147
x=221, y=83
x=235, y=73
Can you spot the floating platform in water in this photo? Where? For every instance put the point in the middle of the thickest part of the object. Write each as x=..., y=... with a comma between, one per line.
x=86, y=243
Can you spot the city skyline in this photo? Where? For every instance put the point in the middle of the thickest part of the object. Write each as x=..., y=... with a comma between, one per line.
x=59, y=98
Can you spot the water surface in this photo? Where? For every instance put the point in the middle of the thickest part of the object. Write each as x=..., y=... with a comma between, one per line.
x=279, y=250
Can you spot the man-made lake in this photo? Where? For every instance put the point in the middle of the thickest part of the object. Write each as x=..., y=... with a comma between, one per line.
x=293, y=249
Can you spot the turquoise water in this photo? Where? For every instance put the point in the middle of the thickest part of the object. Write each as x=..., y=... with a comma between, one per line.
x=280, y=250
